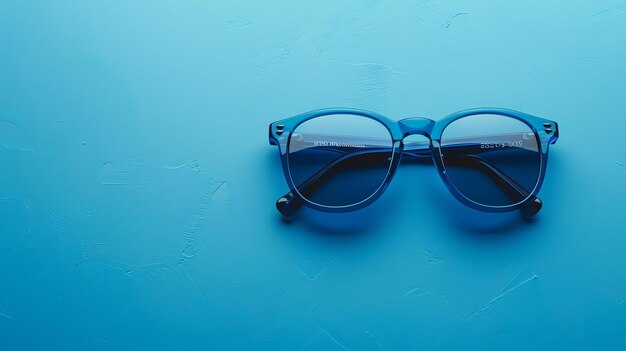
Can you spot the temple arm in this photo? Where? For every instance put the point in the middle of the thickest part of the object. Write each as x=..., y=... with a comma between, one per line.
x=510, y=187
x=290, y=203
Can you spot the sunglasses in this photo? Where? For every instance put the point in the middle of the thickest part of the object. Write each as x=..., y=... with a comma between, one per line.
x=343, y=159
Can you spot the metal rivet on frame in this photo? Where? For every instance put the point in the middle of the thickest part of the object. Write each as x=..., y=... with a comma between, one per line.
x=279, y=129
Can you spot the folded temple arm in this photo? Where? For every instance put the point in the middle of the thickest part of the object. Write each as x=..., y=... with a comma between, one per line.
x=460, y=154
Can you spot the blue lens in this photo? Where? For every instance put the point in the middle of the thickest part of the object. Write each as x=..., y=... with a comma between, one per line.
x=339, y=160
x=491, y=160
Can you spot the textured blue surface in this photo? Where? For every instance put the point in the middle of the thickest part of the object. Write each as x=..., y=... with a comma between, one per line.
x=137, y=185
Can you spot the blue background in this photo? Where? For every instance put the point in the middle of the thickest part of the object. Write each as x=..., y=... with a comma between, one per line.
x=137, y=185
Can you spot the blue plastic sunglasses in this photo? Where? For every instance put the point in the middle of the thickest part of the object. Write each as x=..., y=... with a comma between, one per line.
x=342, y=159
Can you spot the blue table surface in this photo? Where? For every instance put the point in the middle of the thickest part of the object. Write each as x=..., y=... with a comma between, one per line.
x=137, y=185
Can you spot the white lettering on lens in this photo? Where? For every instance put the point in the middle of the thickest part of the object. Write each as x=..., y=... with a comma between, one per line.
x=335, y=144
x=502, y=144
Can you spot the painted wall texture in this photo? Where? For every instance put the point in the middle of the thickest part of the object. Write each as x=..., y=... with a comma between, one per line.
x=137, y=185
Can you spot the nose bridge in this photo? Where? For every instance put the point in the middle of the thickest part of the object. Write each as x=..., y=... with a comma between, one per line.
x=416, y=125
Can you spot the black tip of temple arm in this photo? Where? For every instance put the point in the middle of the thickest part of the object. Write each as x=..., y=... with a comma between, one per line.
x=289, y=204
x=532, y=208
